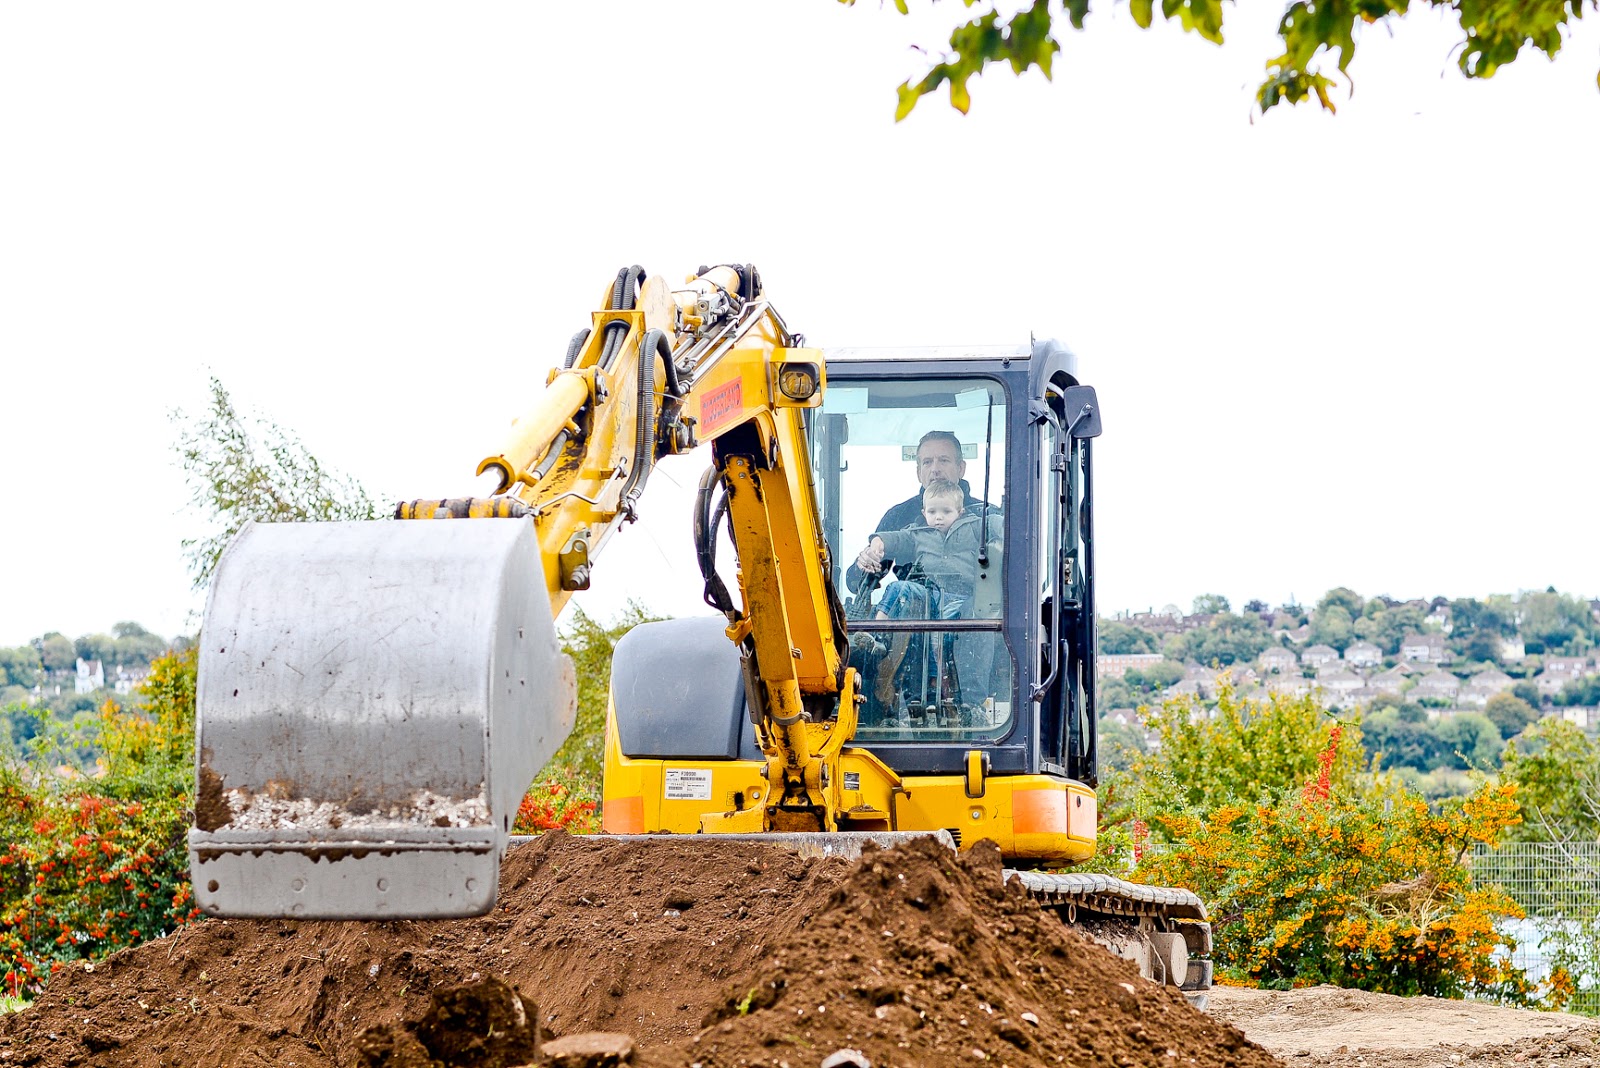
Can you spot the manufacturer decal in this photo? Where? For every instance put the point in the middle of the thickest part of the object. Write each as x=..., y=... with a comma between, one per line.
x=688, y=784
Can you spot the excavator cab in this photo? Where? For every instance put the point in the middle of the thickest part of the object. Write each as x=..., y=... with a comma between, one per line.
x=1008, y=668
x=974, y=697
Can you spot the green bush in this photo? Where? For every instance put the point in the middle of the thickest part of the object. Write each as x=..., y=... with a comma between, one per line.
x=1313, y=869
x=93, y=862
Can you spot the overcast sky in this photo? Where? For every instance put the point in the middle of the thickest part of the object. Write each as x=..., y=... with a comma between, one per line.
x=1356, y=350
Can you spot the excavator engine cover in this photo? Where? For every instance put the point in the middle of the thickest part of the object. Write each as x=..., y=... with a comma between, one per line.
x=372, y=702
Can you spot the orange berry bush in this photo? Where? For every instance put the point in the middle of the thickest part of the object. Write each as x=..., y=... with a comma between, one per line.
x=1315, y=871
x=93, y=862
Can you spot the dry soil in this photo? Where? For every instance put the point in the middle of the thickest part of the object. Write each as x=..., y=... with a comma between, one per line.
x=720, y=954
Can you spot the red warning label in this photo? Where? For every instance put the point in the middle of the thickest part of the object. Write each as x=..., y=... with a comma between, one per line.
x=720, y=406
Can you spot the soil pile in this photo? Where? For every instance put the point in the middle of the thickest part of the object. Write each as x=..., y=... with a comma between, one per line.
x=705, y=952
x=926, y=958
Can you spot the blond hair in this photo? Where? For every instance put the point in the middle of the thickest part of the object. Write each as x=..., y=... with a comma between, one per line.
x=942, y=489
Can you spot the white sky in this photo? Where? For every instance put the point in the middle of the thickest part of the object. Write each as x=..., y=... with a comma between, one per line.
x=1358, y=350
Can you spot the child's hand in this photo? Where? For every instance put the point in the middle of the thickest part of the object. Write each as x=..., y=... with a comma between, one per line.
x=870, y=559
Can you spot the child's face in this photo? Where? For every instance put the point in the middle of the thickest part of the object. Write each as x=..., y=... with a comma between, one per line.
x=940, y=514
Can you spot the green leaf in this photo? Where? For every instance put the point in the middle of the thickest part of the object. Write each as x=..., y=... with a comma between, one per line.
x=1142, y=12
x=908, y=97
x=959, y=98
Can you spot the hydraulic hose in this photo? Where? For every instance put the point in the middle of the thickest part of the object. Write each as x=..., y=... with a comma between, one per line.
x=644, y=437
x=575, y=346
x=656, y=342
x=624, y=296
x=706, y=521
x=551, y=455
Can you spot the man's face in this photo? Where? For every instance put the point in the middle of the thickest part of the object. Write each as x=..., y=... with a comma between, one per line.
x=939, y=459
x=940, y=513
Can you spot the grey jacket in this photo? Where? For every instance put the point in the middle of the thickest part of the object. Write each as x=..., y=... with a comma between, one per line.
x=948, y=560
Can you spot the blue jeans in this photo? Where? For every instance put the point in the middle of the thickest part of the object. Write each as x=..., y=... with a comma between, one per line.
x=912, y=600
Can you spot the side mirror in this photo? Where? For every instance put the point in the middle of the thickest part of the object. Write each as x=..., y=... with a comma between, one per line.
x=1082, y=412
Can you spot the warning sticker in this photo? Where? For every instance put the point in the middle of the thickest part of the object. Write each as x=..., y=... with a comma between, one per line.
x=721, y=405
x=688, y=784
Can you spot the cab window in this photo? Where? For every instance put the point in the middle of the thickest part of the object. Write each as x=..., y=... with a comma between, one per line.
x=911, y=478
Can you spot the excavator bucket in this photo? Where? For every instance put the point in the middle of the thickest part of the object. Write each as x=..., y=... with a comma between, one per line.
x=373, y=700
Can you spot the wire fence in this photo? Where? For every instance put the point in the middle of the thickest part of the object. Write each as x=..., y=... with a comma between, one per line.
x=1559, y=889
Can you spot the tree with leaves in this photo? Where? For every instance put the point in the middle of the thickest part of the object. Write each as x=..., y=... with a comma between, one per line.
x=241, y=470
x=1227, y=639
x=1388, y=626
x=1117, y=638
x=20, y=666
x=1318, y=38
x=1557, y=771
x=1510, y=713
x=1331, y=625
x=56, y=651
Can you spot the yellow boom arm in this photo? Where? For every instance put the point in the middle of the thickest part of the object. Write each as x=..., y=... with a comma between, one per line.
x=659, y=372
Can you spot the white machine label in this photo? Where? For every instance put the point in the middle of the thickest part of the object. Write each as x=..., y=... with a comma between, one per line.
x=688, y=784
x=852, y=780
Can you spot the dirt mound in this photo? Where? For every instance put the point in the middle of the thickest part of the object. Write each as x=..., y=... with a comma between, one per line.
x=705, y=951
x=923, y=957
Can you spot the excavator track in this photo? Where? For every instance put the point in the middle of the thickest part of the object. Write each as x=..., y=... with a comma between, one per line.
x=1163, y=930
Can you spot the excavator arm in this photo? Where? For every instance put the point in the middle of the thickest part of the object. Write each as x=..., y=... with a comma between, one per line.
x=374, y=698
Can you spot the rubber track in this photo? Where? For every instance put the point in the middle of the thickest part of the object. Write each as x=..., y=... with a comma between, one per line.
x=1109, y=895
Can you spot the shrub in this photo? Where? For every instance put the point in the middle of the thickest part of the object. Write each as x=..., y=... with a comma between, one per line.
x=93, y=863
x=1363, y=891
x=1314, y=871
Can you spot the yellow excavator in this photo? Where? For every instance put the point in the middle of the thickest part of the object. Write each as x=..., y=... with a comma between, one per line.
x=374, y=698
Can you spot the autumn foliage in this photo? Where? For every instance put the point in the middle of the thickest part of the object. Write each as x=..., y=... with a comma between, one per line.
x=93, y=862
x=1317, y=872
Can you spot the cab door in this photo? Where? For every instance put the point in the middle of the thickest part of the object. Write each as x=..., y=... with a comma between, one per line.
x=1065, y=428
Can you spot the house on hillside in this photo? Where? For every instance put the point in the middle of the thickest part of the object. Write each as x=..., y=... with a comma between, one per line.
x=1571, y=667
x=1550, y=685
x=1289, y=685
x=1512, y=649
x=1341, y=683
x=1425, y=649
x=1484, y=685
x=1169, y=620
x=91, y=676
x=1116, y=665
x=126, y=678
x=1390, y=682
x=1318, y=655
x=1363, y=654
x=1440, y=685
x=1584, y=718
x=1439, y=616
x=1278, y=661
x=1241, y=675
